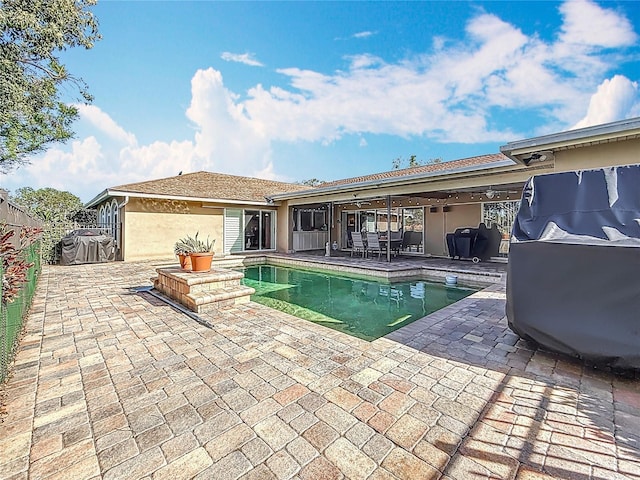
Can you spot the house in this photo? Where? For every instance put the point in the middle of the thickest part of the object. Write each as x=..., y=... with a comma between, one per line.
x=246, y=215
x=148, y=217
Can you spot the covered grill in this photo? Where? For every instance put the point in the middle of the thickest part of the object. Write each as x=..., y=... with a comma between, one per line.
x=88, y=245
x=574, y=264
x=478, y=244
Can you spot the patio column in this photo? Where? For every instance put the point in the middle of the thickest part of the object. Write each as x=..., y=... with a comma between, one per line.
x=329, y=223
x=389, y=228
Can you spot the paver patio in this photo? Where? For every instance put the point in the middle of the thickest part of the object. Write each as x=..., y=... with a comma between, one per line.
x=110, y=383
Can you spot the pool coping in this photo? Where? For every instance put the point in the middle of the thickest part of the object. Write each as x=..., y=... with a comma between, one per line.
x=489, y=284
x=382, y=271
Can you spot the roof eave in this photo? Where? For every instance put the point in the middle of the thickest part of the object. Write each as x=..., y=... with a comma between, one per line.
x=122, y=193
x=389, y=181
x=97, y=199
x=520, y=150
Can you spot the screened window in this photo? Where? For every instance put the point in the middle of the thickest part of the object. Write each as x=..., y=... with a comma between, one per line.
x=308, y=219
x=502, y=214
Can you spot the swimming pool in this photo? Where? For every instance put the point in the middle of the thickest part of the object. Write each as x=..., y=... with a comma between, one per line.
x=364, y=308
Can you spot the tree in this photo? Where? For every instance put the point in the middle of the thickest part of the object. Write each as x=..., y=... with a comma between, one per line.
x=56, y=209
x=412, y=161
x=312, y=182
x=32, y=79
x=48, y=204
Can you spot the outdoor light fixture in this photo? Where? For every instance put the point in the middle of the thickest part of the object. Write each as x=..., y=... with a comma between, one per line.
x=539, y=157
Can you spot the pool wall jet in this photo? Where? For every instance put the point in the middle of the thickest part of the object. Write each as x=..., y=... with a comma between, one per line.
x=201, y=292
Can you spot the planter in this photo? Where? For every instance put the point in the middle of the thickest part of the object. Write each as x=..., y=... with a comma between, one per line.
x=201, y=262
x=185, y=262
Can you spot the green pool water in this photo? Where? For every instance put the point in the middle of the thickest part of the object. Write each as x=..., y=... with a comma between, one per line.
x=366, y=309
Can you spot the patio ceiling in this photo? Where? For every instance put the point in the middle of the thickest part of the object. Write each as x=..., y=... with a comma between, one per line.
x=487, y=193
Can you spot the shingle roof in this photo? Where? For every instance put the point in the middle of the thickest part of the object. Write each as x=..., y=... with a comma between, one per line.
x=211, y=185
x=443, y=167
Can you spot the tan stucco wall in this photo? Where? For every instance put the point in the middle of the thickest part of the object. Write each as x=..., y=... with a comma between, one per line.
x=596, y=156
x=440, y=223
x=151, y=227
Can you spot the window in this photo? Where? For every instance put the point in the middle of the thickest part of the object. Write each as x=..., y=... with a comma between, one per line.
x=107, y=216
x=502, y=214
x=413, y=219
x=308, y=219
x=382, y=224
x=113, y=221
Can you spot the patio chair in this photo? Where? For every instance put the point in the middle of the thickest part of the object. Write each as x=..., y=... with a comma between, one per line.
x=373, y=243
x=397, y=239
x=412, y=239
x=357, y=244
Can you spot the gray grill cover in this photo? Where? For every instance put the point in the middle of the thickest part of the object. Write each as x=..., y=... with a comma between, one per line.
x=573, y=281
x=87, y=246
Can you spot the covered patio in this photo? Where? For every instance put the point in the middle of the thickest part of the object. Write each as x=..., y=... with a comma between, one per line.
x=416, y=223
x=411, y=211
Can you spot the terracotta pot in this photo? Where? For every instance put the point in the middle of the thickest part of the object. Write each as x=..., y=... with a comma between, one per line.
x=201, y=262
x=185, y=262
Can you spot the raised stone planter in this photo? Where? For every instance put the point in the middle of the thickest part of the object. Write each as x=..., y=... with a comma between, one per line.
x=204, y=291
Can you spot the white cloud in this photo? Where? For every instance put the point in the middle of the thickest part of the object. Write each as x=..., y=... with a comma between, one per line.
x=450, y=94
x=226, y=138
x=58, y=168
x=156, y=160
x=363, y=142
x=105, y=124
x=364, y=34
x=587, y=24
x=614, y=100
x=246, y=58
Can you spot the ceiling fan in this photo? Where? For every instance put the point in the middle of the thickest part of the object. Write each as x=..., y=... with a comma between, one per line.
x=490, y=193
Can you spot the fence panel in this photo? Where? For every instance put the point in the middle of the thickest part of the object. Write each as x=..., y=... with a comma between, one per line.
x=13, y=313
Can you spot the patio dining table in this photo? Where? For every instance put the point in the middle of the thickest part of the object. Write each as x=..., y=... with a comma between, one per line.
x=395, y=244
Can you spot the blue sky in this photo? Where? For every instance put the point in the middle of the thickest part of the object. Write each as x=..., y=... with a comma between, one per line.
x=328, y=90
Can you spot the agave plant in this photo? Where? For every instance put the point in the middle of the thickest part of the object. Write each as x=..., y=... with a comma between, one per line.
x=201, y=246
x=185, y=245
x=190, y=244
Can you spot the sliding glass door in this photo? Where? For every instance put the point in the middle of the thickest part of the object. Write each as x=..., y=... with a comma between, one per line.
x=401, y=221
x=259, y=230
x=246, y=230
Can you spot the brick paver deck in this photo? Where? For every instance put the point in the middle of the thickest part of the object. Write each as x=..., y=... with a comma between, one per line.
x=114, y=384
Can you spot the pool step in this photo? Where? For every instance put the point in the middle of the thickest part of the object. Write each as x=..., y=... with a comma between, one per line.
x=203, y=291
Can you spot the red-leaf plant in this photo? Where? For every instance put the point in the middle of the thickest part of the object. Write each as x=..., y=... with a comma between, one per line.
x=14, y=265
